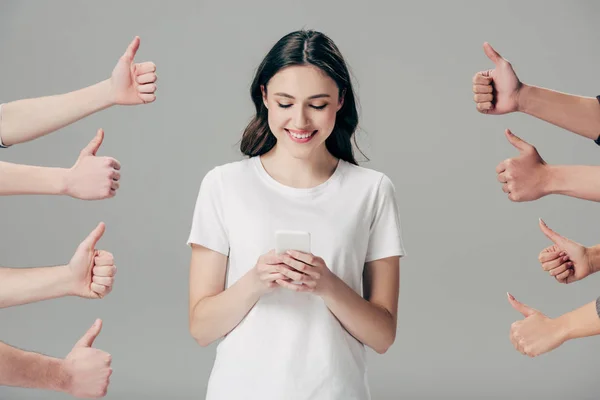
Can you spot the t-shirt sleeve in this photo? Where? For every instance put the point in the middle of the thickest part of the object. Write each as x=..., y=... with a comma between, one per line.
x=598, y=138
x=208, y=224
x=385, y=238
x=2, y=145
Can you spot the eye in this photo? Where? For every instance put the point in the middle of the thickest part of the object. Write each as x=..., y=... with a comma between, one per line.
x=319, y=107
x=284, y=105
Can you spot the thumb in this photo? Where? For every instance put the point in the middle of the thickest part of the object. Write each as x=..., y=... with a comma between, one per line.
x=87, y=340
x=492, y=54
x=95, y=235
x=516, y=141
x=553, y=236
x=132, y=49
x=94, y=145
x=520, y=307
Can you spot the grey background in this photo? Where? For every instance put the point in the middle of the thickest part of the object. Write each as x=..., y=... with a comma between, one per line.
x=413, y=62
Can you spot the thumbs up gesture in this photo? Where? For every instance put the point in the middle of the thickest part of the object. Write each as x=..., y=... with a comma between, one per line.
x=92, y=177
x=566, y=260
x=87, y=370
x=536, y=334
x=93, y=271
x=133, y=83
x=496, y=91
x=526, y=177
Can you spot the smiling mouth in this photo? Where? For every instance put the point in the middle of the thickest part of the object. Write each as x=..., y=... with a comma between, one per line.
x=300, y=136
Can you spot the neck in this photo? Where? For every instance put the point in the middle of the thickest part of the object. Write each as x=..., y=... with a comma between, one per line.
x=296, y=172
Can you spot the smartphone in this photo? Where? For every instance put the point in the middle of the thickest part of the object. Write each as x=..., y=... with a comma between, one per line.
x=292, y=240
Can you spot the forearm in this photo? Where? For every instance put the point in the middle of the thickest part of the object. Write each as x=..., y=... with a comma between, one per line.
x=369, y=323
x=581, y=322
x=214, y=317
x=27, y=179
x=577, y=114
x=28, y=119
x=27, y=285
x=30, y=370
x=580, y=181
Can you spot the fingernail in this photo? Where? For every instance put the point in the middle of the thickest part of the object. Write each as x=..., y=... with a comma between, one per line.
x=510, y=296
x=565, y=258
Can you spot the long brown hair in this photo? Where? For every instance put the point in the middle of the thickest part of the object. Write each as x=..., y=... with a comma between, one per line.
x=305, y=47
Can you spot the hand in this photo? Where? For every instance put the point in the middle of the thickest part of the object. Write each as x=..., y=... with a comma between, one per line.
x=87, y=370
x=269, y=270
x=525, y=177
x=93, y=270
x=133, y=83
x=316, y=276
x=496, y=91
x=574, y=264
x=92, y=177
x=536, y=334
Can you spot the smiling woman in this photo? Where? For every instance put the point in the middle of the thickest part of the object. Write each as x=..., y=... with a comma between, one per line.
x=295, y=324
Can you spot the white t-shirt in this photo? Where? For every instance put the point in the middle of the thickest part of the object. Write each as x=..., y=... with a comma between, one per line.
x=290, y=346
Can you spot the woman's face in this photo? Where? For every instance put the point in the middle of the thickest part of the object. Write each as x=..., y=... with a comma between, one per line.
x=302, y=103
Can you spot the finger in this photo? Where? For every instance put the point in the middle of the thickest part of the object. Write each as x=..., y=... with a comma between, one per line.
x=104, y=270
x=116, y=175
x=103, y=280
x=146, y=78
x=306, y=258
x=502, y=178
x=103, y=259
x=112, y=193
x=93, y=238
x=94, y=145
x=292, y=274
x=302, y=267
x=114, y=163
x=482, y=89
x=147, y=98
x=145, y=68
x=492, y=54
x=520, y=307
x=272, y=276
x=505, y=188
x=483, y=107
x=132, y=49
x=560, y=269
x=564, y=275
x=544, y=256
x=87, y=340
x=482, y=78
x=114, y=185
x=293, y=286
x=566, y=279
x=100, y=290
x=557, y=262
x=501, y=167
x=550, y=234
x=148, y=88
x=516, y=141
x=483, y=97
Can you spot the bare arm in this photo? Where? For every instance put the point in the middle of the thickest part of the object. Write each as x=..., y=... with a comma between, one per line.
x=29, y=119
x=27, y=179
x=580, y=181
x=129, y=84
x=214, y=311
x=30, y=370
x=581, y=322
x=578, y=114
x=371, y=320
x=27, y=285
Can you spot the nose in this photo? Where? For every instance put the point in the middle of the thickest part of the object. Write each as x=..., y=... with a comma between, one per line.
x=300, y=119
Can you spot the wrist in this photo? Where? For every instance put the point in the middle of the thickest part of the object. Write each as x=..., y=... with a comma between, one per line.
x=63, y=185
x=551, y=183
x=60, y=378
x=523, y=95
x=106, y=93
x=66, y=281
x=254, y=287
x=594, y=258
x=329, y=286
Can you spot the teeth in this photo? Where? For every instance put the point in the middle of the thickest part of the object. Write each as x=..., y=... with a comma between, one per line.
x=299, y=136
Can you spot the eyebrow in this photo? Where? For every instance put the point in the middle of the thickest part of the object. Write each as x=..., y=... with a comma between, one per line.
x=316, y=96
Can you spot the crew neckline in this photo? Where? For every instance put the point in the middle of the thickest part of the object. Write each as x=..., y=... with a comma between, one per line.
x=334, y=178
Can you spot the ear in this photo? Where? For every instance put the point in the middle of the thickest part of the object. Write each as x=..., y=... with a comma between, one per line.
x=341, y=100
x=263, y=90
